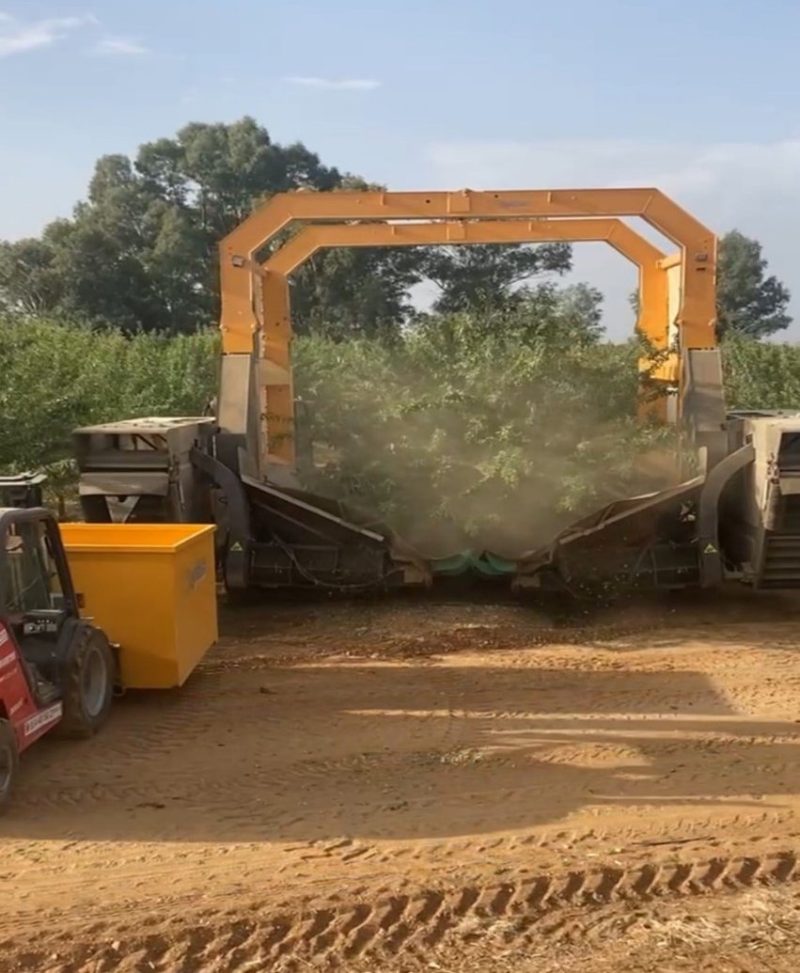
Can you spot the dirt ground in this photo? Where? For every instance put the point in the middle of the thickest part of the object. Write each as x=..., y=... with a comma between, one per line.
x=430, y=784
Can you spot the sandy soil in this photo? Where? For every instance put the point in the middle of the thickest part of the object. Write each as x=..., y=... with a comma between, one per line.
x=423, y=784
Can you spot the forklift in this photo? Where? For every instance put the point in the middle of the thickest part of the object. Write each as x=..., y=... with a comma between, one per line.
x=57, y=670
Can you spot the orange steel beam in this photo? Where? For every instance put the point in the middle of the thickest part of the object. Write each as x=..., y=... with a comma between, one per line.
x=273, y=290
x=312, y=238
x=696, y=315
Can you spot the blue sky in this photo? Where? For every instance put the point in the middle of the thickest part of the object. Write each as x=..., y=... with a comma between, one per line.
x=702, y=100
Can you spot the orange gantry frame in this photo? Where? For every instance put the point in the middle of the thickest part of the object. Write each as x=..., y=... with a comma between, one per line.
x=255, y=301
x=276, y=333
x=619, y=235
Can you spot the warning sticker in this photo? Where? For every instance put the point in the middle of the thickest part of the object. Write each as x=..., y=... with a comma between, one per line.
x=237, y=547
x=709, y=549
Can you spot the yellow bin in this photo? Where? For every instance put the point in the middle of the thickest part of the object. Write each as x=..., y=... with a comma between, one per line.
x=152, y=589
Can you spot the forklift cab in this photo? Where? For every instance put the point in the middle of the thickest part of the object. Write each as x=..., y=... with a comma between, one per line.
x=56, y=669
x=64, y=657
x=37, y=600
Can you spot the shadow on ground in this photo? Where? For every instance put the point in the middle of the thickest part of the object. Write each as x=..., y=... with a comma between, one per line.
x=333, y=742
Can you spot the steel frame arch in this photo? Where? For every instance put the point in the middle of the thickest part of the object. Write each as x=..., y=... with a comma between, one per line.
x=273, y=302
x=696, y=315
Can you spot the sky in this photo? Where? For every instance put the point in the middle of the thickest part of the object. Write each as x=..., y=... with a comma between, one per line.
x=700, y=100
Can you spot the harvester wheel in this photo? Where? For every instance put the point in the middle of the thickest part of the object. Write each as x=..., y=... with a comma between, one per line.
x=9, y=762
x=88, y=683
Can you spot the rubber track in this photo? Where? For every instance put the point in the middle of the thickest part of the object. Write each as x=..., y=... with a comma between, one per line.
x=387, y=925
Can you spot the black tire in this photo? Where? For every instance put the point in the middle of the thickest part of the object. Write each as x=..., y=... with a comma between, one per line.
x=88, y=684
x=9, y=763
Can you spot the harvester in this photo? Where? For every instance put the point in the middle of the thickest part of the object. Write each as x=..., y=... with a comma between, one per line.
x=737, y=517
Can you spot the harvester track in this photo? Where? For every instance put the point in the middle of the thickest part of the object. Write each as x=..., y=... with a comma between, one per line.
x=383, y=926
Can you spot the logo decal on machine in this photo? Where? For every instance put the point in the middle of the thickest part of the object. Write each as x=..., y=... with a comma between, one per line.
x=45, y=718
x=196, y=574
x=40, y=626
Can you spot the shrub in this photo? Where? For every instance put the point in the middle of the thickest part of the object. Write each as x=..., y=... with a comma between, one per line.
x=57, y=376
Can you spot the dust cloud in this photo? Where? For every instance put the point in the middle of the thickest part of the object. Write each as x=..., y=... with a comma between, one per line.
x=502, y=477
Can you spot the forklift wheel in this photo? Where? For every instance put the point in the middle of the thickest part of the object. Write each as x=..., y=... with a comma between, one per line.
x=88, y=683
x=9, y=761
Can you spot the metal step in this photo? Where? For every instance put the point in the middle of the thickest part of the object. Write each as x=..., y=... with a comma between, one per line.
x=781, y=564
x=788, y=514
x=44, y=691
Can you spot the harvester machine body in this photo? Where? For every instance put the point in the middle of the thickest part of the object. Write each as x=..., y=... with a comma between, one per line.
x=166, y=470
x=760, y=515
x=735, y=516
x=738, y=520
x=140, y=470
x=645, y=540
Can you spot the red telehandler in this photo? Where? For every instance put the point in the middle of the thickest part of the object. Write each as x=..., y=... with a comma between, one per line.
x=151, y=589
x=57, y=670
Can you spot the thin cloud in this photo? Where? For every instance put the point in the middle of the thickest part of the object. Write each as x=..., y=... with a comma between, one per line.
x=750, y=186
x=722, y=181
x=21, y=38
x=334, y=84
x=120, y=47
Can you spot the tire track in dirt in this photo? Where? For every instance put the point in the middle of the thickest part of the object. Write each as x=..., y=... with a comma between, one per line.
x=417, y=923
x=387, y=925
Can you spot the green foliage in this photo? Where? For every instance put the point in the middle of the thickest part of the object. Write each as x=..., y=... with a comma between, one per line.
x=28, y=281
x=353, y=292
x=761, y=375
x=480, y=277
x=749, y=303
x=59, y=376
